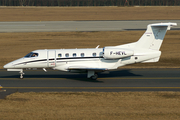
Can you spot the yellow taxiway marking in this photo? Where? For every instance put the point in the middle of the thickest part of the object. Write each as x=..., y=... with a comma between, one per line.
x=91, y=87
x=144, y=78
x=114, y=78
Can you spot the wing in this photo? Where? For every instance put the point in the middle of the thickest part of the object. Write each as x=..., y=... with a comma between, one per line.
x=87, y=68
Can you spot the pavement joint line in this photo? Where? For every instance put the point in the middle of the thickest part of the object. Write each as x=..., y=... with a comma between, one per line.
x=91, y=87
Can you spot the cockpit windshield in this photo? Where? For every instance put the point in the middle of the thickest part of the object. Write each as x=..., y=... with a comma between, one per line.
x=31, y=54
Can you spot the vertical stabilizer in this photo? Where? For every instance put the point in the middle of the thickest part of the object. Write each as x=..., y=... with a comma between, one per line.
x=154, y=35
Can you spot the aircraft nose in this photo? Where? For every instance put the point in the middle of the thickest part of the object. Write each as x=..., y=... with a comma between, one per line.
x=8, y=66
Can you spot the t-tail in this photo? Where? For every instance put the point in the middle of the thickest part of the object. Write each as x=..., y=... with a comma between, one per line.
x=146, y=49
x=154, y=35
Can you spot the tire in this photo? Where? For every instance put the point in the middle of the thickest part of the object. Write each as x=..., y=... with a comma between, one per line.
x=21, y=77
x=94, y=77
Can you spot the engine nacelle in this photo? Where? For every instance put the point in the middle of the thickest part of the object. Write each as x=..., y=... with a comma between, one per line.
x=116, y=53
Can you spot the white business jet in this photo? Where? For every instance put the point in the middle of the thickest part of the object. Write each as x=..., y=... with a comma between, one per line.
x=96, y=60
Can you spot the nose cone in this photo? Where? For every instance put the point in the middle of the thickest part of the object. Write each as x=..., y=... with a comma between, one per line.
x=8, y=66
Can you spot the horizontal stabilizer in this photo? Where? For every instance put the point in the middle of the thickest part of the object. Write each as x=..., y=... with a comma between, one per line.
x=169, y=25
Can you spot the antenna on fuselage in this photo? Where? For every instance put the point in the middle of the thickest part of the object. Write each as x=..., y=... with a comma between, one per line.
x=97, y=47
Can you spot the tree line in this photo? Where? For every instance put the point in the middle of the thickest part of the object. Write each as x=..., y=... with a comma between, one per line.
x=89, y=2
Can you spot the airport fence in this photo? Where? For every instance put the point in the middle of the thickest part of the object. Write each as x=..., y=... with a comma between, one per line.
x=89, y=2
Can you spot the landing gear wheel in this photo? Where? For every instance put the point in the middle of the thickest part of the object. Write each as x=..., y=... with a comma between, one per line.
x=21, y=76
x=94, y=77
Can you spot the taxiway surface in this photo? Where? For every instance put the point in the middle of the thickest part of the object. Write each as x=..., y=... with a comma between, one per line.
x=66, y=26
x=114, y=81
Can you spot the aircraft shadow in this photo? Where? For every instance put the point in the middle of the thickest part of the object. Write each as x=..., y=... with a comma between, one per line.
x=118, y=73
x=77, y=76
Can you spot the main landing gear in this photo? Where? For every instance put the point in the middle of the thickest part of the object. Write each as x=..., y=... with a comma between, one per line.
x=21, y=74
x=92, y=75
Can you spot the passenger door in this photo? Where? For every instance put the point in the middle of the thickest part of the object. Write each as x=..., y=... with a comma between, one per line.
x=51, y=58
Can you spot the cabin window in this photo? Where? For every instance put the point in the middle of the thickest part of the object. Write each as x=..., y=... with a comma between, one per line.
x=82, y=54
x=31, y=54
x=94, y=54
x=74, y=54
x=67, y=54
x=60, y=55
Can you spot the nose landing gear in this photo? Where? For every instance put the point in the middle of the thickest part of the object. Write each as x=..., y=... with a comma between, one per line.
x=21, y=74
